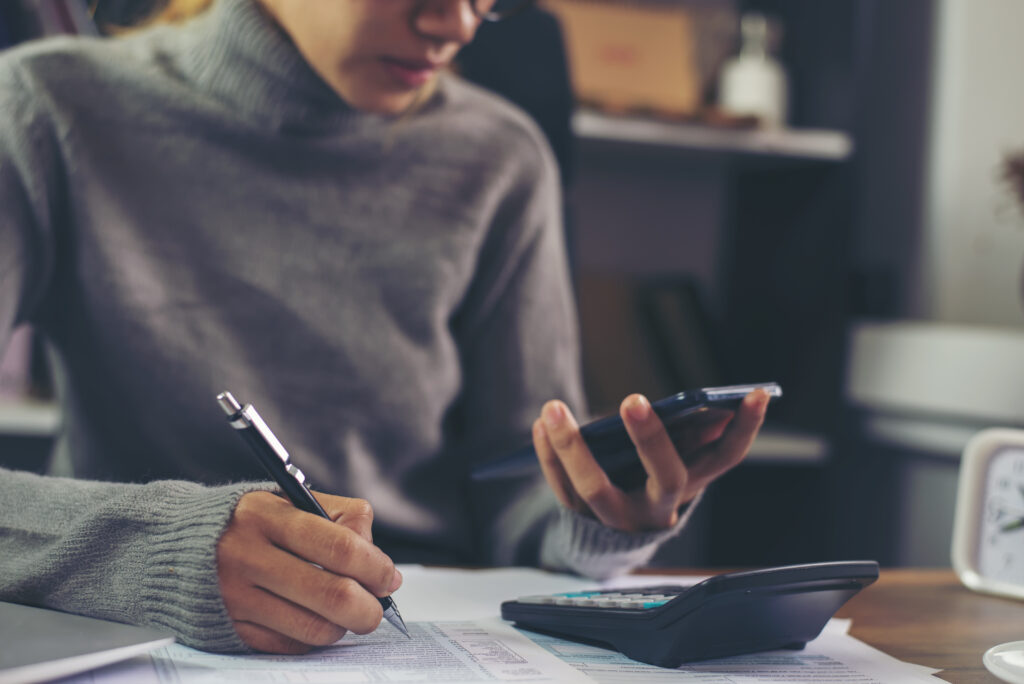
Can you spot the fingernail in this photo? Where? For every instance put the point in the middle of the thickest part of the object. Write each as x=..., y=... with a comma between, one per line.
x=553, y=415
x=396, y=581
x=638, y=408
x=759, y=402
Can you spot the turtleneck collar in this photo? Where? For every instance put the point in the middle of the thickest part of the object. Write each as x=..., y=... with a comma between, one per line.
x=240, y=55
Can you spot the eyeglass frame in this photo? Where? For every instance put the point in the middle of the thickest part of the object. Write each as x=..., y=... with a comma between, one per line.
x=495, y=16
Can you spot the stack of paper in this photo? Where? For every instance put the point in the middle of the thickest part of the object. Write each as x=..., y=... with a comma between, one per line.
x=458, y=637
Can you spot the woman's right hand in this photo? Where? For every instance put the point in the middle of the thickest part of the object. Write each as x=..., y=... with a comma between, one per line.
x=279, y=600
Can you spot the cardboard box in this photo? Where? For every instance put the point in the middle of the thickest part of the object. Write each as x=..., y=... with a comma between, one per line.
x=626, y=57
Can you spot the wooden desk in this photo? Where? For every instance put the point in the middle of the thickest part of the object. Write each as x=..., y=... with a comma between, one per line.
x=927, y=617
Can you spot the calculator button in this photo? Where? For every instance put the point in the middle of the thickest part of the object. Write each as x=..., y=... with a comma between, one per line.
x=632, y=604
x=597, y=602
x=606, y=602
x=548, y=600
x=582, y=602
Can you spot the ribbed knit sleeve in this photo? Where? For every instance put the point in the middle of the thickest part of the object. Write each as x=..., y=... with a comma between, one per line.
x=580, y=544
x=140, y=554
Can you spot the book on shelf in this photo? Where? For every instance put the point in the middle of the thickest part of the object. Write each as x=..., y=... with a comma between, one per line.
x=77, y=17
x=682, y=332
x=652, y=336
x=22, y=20
x=50, y=20
x=16, y=365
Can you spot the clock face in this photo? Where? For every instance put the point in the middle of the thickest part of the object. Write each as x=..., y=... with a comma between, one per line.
x=1001, y=543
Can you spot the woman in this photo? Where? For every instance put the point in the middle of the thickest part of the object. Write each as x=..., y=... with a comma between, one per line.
x=293, y=201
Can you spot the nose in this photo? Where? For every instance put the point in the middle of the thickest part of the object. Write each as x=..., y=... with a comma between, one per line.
x=449, y=21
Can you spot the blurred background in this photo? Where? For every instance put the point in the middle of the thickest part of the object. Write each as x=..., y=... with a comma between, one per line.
x=796, y=191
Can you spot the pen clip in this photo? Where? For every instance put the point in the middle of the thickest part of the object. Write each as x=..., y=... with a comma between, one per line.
x=247, y=417
x=252, y=419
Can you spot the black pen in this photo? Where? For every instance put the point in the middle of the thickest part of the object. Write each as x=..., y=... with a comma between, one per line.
x=275, y=460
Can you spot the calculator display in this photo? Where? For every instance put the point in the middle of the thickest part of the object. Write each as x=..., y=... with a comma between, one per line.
x=624, y=599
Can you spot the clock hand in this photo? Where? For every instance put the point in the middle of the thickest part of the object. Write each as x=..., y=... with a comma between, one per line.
x=1002, y=512
x=1012, y=525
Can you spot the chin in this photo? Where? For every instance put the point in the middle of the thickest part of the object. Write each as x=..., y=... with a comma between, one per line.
x=390, y=108
x=391, y=102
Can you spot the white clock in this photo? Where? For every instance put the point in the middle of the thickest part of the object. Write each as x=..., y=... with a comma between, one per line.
x=988, y=530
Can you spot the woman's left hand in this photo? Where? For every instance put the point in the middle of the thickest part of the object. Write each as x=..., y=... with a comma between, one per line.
x=582, y=485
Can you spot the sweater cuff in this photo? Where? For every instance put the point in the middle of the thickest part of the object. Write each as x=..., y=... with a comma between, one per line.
x=180, y=590
x=586, y=546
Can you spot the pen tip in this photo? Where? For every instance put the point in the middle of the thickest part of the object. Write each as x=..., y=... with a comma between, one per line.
x=400, y=624
x=395, y=618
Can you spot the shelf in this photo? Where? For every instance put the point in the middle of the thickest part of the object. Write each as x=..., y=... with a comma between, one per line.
x=792, y=143
x=774, y=445
x=782, y=446
x=28, y=418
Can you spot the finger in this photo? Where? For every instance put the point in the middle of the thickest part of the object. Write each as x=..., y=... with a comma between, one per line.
x=696, y=430
x=735, y=441
x=255, y=605
x=665, y=470
x=334, y=547
x=714, y=428
x=355, y=514
x=552, y=468
x=267, y=640
x=340, y=600
x=588, y=479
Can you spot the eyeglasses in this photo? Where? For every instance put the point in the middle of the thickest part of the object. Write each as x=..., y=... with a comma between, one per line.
x=496, y=10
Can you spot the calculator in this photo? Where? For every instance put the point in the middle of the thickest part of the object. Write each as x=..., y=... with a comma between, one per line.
x=728, y=614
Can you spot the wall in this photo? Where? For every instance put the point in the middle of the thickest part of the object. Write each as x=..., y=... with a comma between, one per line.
x=941, y=239
x=973, y=239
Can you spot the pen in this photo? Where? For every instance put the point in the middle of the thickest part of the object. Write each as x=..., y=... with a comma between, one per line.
x=275, y=460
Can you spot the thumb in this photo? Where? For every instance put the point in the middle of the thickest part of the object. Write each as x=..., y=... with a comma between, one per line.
x=355, y=514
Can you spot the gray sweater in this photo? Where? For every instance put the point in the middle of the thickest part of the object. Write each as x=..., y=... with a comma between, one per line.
x=191, y=209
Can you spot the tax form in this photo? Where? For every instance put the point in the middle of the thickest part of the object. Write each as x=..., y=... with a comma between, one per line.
x=832, y=658
x=458, y=636
x=445, y=651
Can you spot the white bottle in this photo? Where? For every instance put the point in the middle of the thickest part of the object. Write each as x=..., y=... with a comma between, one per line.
x=754, y=83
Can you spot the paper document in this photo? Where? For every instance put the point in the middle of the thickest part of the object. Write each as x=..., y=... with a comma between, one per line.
x=834, y=657
x=453, y=616
x=467, y=652
x=476, y=594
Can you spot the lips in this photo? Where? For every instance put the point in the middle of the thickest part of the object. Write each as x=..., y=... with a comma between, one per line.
x=411, y=72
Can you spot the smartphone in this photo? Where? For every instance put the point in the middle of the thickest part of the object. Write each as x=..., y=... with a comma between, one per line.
x=610, y=443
